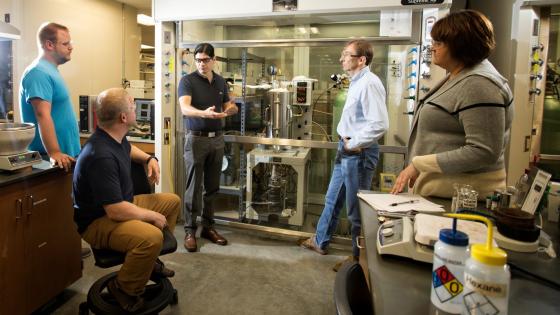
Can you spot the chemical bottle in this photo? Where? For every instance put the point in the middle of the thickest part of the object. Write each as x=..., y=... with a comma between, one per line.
x=450, y=254
x=487, y=275
x=522, y=187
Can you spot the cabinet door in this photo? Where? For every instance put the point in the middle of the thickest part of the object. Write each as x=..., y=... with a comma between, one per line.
x=12, y=263
x=52, y=242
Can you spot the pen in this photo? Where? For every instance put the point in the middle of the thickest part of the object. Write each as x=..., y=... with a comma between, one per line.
x=403, y=202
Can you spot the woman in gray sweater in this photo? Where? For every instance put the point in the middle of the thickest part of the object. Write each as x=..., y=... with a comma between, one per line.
x=460, y=129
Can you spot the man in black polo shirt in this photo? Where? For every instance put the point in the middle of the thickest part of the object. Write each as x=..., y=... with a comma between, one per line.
x=107, y=213
x=204, y=101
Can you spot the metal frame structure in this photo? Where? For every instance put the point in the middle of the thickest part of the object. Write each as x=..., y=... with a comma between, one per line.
x=246, y=58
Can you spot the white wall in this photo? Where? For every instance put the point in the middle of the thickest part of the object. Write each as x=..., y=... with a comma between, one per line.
x=512, y=25
x=501, y=14
x=96, y=28
x=177, y=10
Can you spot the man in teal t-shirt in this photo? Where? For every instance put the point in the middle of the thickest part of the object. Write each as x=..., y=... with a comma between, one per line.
x=45, y=99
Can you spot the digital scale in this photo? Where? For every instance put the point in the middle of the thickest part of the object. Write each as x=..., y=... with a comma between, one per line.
x=14, y=162
x=396, y=237
x=415, y=238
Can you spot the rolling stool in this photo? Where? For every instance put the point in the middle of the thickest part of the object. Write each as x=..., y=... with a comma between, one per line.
x=156, y=296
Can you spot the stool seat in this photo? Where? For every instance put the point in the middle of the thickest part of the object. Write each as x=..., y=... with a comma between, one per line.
x=158, y=293
x=106, y=258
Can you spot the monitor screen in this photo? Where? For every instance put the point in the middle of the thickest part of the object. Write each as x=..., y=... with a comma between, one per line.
x=143, y=108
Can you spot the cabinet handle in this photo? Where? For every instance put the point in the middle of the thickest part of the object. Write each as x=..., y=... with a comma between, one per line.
x=31, y=205
x=19, y=208
x=38, y=202
x=358, y=242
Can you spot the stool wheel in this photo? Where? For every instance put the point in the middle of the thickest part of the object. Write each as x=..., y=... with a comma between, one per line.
x=174, y=298
x=156, y=297
x=84, y=309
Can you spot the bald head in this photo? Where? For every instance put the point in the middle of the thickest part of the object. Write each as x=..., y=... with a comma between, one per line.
x=110, y=104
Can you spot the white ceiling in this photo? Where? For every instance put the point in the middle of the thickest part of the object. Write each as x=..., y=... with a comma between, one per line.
x=139, y=4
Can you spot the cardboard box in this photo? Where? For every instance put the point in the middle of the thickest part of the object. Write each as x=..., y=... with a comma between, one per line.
x=136, y=92
x=137, y=84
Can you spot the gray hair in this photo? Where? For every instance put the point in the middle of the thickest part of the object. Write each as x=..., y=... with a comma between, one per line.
x=110, y=104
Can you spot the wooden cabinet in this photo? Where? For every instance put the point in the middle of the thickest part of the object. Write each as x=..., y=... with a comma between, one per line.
x=39, y=245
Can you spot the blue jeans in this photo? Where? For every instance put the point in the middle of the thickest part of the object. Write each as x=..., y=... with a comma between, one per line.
x=352, y=172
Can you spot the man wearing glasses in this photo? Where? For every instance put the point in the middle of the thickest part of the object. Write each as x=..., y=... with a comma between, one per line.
x=364, y=120
x=204, y=101
x=45, y=99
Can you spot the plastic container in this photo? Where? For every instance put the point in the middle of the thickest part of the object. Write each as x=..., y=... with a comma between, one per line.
x=522, y=188
x=487, y=276
x=450, y=255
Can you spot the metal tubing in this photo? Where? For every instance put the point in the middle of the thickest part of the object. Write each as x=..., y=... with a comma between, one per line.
x=305, y=143
x=549, y=157
x=380, y=40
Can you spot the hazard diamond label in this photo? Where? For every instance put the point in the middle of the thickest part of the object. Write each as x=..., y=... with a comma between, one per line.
x=446, y=285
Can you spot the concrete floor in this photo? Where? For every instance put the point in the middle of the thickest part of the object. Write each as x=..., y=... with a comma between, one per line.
x=253, y=274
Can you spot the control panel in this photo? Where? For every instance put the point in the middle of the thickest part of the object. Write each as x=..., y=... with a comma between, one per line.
x=302, y=92
x=17, y=161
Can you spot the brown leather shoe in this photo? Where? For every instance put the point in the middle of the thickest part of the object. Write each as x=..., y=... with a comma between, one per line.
x=310, y=244
x=190, y=242
x=213, y=236
x=347, y=260
x=129, y=303
x=160, y=271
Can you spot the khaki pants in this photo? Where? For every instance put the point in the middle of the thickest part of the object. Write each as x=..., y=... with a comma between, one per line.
x=140, y=241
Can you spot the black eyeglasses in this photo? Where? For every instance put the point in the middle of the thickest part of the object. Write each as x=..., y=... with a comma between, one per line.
x=202, y=60
x=348, y=54
x=65, y=44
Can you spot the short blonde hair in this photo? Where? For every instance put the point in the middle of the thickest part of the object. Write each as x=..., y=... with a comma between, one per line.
x=48, y=31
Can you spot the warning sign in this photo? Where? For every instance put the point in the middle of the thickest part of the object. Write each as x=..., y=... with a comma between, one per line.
x=446, y=285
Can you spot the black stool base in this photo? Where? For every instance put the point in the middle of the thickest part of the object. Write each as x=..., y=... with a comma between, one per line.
x=156, y=297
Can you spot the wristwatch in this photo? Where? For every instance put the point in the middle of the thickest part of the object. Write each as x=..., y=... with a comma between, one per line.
x=150, y=158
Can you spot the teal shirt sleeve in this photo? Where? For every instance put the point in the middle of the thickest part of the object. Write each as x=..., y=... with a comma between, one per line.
x=37, y=84
x=43, y=81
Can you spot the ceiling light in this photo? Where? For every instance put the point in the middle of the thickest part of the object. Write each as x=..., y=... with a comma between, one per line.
x=145, y=20
x=302, y=30
x=144, y=46
x=314, y=30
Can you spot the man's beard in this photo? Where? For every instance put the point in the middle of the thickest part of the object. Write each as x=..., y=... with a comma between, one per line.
x=62, y=60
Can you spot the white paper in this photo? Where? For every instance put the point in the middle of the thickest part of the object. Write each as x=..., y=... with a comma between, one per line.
x=384, y=202
x=427, y=227
x=395, y=23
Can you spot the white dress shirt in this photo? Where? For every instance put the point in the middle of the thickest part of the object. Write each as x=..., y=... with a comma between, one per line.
x=364, y=118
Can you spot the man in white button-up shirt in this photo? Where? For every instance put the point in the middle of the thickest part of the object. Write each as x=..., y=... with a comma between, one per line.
x=364, y=120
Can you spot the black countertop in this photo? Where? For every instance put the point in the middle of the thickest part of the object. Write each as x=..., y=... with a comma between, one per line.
x=39, y=169
x=402, y=286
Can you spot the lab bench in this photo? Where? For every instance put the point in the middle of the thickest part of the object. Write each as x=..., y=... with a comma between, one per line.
x=402, y=286
x=40, y=248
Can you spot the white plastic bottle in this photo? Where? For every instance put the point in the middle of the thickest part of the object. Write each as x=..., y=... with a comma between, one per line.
x=450, y=255
x=487, y=276
x=522, y=187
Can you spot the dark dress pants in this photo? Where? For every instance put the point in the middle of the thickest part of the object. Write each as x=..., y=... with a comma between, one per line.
x=203, y=163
